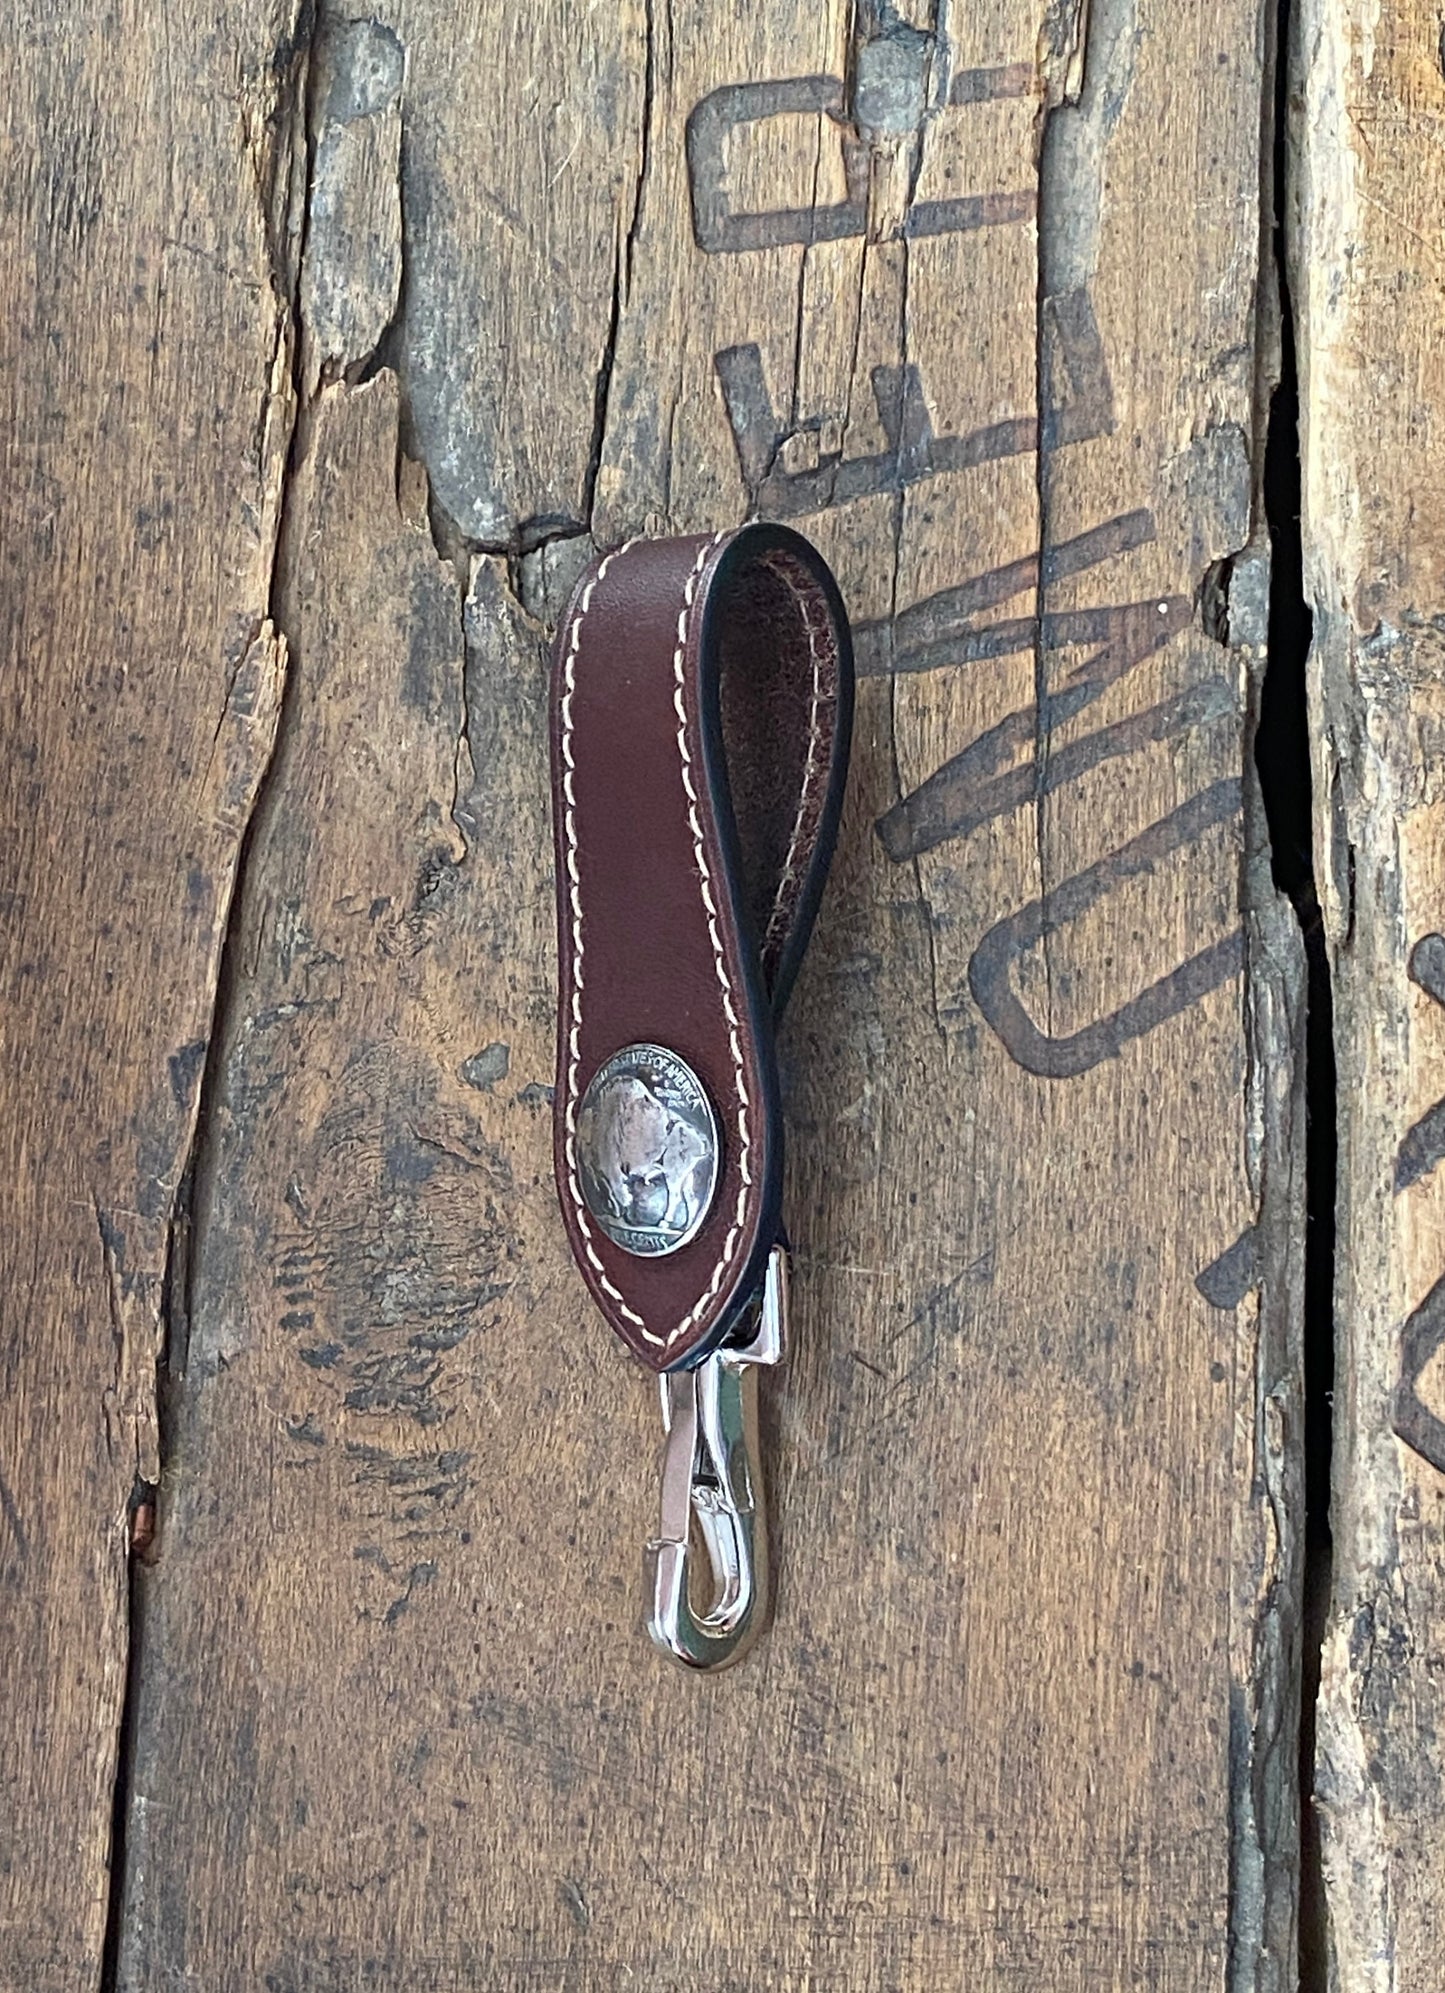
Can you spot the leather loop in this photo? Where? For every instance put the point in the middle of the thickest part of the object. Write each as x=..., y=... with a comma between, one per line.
x=701, y=718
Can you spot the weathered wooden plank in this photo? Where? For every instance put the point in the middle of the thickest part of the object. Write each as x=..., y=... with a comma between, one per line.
x=147, y=417
x=1367, y=282
x=1025, y=1716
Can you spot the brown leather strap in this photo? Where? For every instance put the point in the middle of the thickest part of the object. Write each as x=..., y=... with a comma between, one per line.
x=701, y=717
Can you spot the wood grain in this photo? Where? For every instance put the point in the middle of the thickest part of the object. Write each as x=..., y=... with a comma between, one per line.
x=147, y=417
x=1367, y=280
x=975, y=301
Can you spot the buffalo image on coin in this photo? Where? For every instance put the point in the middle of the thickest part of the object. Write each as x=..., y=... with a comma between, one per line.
x=647, y=1150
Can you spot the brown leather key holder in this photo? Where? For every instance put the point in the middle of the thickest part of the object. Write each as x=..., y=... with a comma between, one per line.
x=702, y=703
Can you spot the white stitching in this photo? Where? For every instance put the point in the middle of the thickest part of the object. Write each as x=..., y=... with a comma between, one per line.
x=679, y=657
x=775, y=564
x=574, y=1053
x=569, y=681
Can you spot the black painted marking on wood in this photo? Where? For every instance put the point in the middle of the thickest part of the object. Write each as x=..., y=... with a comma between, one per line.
x=990, y=968
x=1084, y=409
x=1114, y=623
x=1421, y=1150
x=1424, y=1146
x=1226, y=1280
x=710, y=124
x=1077, y=399
x=964, y=793
x=719, y=229
x=1422, y=1338
x=185, y=1068
x=1426, y=967
x=989, y=86
x=923, y=637
x=974, y=786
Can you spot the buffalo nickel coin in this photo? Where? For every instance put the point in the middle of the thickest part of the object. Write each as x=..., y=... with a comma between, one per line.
x=647, y=1150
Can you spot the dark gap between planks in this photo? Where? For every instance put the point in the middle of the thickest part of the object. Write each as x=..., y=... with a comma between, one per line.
x=1282, y=756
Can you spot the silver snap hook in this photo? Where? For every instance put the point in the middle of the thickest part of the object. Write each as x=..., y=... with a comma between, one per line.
x=712, y=1490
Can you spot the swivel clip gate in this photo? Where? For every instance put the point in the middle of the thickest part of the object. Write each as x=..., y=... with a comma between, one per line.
x=712, y=1496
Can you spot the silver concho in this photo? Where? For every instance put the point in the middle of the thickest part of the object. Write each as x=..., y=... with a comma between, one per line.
x=647, y=1150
